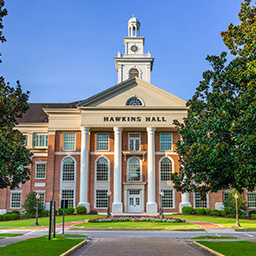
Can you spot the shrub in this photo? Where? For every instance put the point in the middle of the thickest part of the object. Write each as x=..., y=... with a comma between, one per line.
x=187, y=210
x=253, y=216
x=223, y=213
x=207, y=211
x=13, y=216
x=6, y=216
x=251, y=212
x=60, y=211
x=92, y=212
x=69, y=210
x=81, y=210
x=30, y=206
x=216, y=212
x=1, y=217
x=45, y=213
x=17, y=212
x=230, y=205
x=199, y=211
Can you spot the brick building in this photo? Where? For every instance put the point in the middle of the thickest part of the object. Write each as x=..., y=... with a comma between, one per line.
x=120, y=140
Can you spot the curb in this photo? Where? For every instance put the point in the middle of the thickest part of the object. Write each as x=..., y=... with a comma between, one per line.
x=208, y=249
x=73, y=249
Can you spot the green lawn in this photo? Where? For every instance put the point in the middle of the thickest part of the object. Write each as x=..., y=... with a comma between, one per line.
x=9, y=235
x=45, y=221
x=226, y=222
x=239, y=248
x=40, y=246
x=213, y=237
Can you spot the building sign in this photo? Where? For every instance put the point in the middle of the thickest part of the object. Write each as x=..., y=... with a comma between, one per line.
x=134, y=119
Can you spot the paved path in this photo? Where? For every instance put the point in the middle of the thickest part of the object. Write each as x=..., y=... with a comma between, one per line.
x=139, y=247
x=16, y=239
x=207, y=225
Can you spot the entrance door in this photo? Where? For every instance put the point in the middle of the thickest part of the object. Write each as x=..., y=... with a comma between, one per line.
x=134, y=200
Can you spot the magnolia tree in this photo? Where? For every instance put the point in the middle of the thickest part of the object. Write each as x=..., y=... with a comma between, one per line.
x=218, y=146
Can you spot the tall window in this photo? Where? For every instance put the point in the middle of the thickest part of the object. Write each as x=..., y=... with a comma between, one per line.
x=40, y=170
x=102, y=141
x=102, y=169
x=225, y=194
x=40, y=140
x=134, y=141
x=166, y=169
x=134, y=169
x=101, y=199
x=251, y=199
x=68, y=169
x=16, y=200
x=26, y=140
x=199, y=202
x=167, y=198
x=69, y=141
x=134, y=72
x=165, y=141
x=69, y=196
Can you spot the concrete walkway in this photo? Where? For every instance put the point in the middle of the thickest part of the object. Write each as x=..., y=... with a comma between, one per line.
x=16, y=239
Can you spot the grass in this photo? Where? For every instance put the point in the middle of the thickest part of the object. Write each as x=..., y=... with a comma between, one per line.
x=225, y=222
x=213, y=237
x=9, y=235
x=246, y=230
x=32, y=247
x=45, y=221
x=239, y=248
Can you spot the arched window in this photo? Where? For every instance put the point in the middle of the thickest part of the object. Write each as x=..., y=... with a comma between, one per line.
x=134, y=172
x=134, y=72
x=165, y=169
x=102, y=169
x=134, y=101
x=68, y=169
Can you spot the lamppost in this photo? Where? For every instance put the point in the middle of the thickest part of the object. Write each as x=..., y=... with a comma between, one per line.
x=37, y=198
x=161, y=194
x=108, y=212
x=237, y=220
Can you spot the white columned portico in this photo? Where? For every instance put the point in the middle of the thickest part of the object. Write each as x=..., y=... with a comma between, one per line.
x=184, y=201
x=117, y=206
x=151, y=203
x=84, y=169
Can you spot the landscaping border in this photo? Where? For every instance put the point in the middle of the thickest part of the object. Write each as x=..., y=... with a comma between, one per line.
x=208, y=249
x=73, y=249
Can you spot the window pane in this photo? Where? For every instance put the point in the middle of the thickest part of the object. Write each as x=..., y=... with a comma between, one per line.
x=134, y=141
x=69, y=196
x=68, y=169
x=167, y=199
x=199, y=202
x=26, y=140
x=225, y=195
x=69, y=141
x=40, y=140
x=15, y=200
x=40, y=170
x=102, y=141
x=134, y=169
x=251, y=199
x=102, y=169
x=166, y=169
x=101, y=199
x=165, y=141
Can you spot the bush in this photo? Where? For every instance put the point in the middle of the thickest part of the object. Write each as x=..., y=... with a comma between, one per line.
x=253, y=216
x=187, y=210
x=251, y=212
x=1, y=217
x=30, y=206
x=45, y=213
x=81, y=210
x=92, y=212
x=69, y=210
x=60, y=211
x=216, y=212
x=199, y=211
x=17, y=212
x=13, y=216
x=207, y=211
x=6, y=216
x=223, y=213
x=230, y=205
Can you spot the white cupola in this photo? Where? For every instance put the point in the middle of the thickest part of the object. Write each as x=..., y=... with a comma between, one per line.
x=133, y=27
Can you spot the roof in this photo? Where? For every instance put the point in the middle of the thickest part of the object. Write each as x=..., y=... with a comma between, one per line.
x=35, y=113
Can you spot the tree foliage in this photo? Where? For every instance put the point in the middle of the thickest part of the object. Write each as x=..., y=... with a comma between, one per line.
x=218, y=145
x=30, y=206
x=14, y=157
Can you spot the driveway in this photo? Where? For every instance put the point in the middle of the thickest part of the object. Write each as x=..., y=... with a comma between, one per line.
x=139, y=247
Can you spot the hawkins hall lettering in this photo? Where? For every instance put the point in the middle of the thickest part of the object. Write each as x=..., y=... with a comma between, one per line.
x=134, y=119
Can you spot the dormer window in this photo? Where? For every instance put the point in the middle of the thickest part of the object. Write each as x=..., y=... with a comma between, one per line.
x=134, y=72
x=134, y=101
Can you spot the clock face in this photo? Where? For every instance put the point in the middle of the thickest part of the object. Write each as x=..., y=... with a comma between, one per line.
x=134, y=48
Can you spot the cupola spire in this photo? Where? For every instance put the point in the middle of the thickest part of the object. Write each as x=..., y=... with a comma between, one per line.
x=133, y=27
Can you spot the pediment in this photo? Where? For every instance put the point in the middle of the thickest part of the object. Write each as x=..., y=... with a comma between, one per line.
x=117, y=96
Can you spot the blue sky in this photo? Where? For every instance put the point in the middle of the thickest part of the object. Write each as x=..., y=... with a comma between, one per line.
x=63, y=51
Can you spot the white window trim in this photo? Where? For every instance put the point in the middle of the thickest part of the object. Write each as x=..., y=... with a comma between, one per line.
x=40, y=162
x=207, y=200
x=95, y=199
x=170, y=150
x=95, y=171
x=65, y=150
x=127, y=169
x=74, y=199
x=173, y=197
x=159, y=168
x=100, y=150
x=61, y=177
x=16, y=191
x=247, y=199
x=40, y=134
x=129, y=140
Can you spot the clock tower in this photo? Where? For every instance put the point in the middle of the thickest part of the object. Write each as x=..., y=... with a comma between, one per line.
x=134, y=62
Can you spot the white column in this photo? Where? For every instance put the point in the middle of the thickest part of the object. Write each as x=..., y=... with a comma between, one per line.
x=117, y=206
x=184, y=201
x=84, y=168
x=151, y=203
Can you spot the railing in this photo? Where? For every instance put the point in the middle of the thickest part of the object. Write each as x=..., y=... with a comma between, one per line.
x=147, y=55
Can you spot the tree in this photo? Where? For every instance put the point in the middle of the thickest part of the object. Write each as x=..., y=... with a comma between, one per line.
x=218, y=146
x=13, y=154
x=30, y=206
